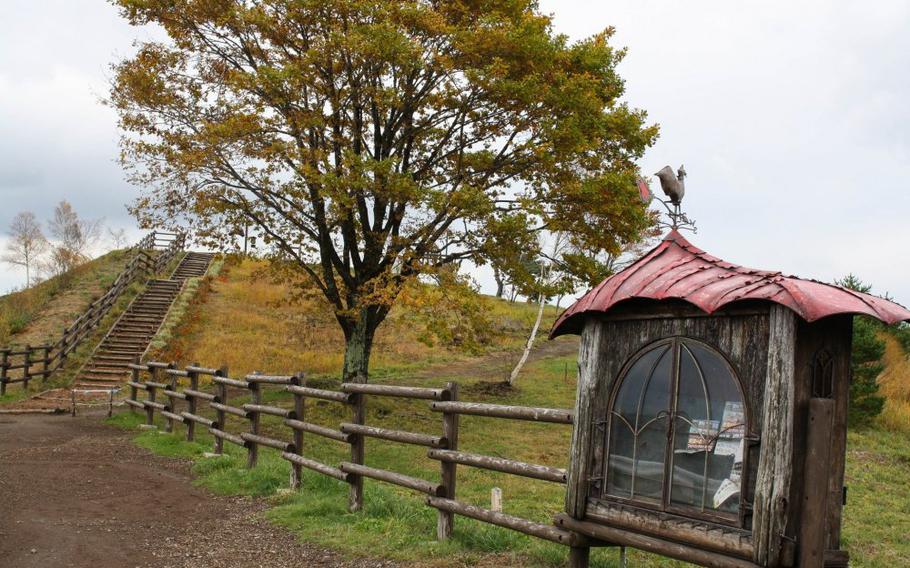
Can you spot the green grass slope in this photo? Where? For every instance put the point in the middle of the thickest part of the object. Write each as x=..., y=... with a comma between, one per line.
x=40, y=313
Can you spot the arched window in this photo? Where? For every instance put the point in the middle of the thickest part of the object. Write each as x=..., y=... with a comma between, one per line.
x=677, y=425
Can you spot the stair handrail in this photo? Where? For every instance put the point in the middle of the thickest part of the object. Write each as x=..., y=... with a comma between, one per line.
x=53, y=355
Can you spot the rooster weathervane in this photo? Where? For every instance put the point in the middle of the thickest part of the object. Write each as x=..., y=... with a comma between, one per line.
x=673, y=185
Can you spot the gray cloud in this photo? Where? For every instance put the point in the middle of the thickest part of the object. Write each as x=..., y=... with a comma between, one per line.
x=791, y=118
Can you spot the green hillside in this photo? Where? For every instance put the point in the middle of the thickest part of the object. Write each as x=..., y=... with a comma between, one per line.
x=41, y=312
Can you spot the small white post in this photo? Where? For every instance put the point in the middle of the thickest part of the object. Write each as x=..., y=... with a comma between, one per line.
x=496, y=499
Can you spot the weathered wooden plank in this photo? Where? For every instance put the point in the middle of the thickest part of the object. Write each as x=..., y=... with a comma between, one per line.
x=591, y=372
x=415, y=483
x=547, y=532
x=732, y=542
x=396, y=391
x=269, y=442
x=395, y=435
x=813, y=529
x=552, y=415
x=230, y=382
x=322, y=394
x=172, y=416
x=503, y=465
x=315, y=466
x=772, y=487
x=318, y=430
x=221, y=434
x=200, y=395
x=270, y=410
x=174, y=394
x=228, y=409
x=198, y=419
x=271, y=379
x=663, y=547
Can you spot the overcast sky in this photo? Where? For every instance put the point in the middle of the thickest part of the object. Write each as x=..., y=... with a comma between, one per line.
x=791, y=118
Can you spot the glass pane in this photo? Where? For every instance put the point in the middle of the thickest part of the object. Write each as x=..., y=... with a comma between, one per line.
x=710, y=427
x=638, y=438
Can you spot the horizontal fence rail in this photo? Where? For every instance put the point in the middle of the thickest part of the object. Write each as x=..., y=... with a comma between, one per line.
x=22, y=364
x=176, y=395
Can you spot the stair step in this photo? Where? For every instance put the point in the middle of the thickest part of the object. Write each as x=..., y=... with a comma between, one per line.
x=104, y=371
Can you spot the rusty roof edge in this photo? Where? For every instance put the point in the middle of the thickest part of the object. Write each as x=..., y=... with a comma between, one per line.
x=799, y=300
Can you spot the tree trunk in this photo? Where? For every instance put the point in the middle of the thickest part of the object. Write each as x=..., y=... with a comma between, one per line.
x=358, y=336
x=500, y=283
x=527, y=351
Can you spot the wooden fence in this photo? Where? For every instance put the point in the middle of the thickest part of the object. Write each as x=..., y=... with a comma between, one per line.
x=175, y=395
x=22, y=364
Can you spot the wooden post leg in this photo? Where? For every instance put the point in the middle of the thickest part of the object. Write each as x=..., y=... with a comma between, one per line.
x=172, y=403
x=222, y=393
x=812, y=538
x=445, y=520
x=4, y=362
x=150, y=395
x=358, y=416
x=579, y=556
x=134, y=378
x=253, y=447
x=27, y=370
x=299, y=411
x=45, y=363
x=191, y=405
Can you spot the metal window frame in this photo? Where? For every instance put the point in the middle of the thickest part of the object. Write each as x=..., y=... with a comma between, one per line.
x=676, y=343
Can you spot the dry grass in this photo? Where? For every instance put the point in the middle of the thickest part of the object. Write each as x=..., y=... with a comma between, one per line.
x=894, y=384
x=40, y=313
x=243, y=319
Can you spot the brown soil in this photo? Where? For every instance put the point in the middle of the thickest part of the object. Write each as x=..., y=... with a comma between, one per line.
x=76, y=493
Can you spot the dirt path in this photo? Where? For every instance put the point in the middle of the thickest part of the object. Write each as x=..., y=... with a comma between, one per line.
x=76, y=493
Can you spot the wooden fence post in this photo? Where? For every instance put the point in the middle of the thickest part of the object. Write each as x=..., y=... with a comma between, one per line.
x=579, y=556
x=172, y=382
x=45, y=362
x=300, y=413
x=150, y=396
x=191, y=404
x=221, y=391
x=253, y=416
x=64, y=346
x=358, y=416
x=4, y=363
x=445, y=520
x=27, y=367
x=134, y=378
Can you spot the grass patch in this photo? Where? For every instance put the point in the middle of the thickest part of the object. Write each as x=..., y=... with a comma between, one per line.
x=40, y=313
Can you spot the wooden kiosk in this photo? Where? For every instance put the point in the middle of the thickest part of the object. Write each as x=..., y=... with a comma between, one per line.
x=711, y=412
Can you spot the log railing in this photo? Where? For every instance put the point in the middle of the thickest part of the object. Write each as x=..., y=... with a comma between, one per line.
x=183, y=391
x=22, y=364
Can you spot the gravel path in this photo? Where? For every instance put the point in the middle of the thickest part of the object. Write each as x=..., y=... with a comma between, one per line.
x=76, y=493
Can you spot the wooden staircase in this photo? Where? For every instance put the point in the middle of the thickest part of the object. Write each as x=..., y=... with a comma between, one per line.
x=132, y=333
x=193, y=265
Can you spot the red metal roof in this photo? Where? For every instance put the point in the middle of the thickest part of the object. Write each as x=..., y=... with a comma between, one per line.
x=676, y=269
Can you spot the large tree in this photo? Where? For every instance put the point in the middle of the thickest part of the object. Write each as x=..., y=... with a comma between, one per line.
x=373, y=141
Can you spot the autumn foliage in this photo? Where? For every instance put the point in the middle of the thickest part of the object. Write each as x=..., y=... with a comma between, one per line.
x=370, y=142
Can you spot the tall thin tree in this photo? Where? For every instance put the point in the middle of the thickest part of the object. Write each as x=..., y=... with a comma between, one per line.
x=27, y=244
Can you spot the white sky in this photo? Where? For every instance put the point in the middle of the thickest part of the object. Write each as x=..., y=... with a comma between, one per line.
x=791, y=118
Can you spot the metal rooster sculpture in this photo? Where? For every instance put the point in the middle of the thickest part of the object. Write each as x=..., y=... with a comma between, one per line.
x=674, y=186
